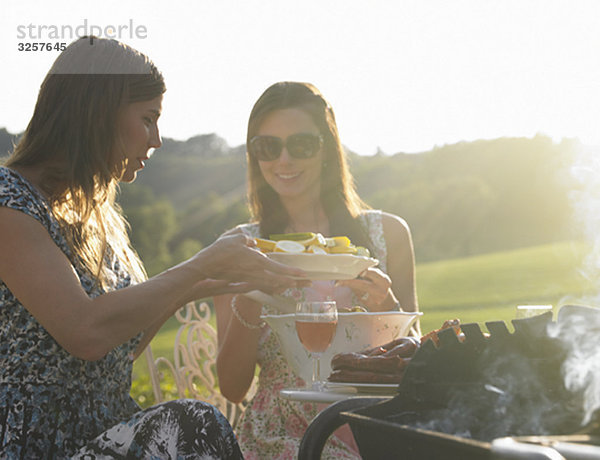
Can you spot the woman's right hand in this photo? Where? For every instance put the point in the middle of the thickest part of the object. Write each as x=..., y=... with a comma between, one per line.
x=234, y=257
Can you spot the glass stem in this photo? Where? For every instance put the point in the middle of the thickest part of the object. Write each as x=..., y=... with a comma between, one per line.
x=316, y=379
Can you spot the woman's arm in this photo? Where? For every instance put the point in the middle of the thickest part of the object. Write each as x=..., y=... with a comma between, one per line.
x=42, y=278
x=149, y=334
x=238, y=345
x=400, y=261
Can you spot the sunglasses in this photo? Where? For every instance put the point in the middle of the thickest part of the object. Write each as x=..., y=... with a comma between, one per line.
x=301, y=146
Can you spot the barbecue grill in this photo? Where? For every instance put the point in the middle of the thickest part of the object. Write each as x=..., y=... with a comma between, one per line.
x=497, y=396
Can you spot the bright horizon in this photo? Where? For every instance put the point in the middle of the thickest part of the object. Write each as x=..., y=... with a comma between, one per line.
x=401, y=76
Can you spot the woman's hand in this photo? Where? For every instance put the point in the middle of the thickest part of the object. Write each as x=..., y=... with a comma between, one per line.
x=373, y=288
x=234, y=258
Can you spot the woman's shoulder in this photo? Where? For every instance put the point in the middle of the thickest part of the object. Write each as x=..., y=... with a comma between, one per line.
x=9, y=180
x=17, y=193
x=388, y=232
x=394, y=221
x=396, y=232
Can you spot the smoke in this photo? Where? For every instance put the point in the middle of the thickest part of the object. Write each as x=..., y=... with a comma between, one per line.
x=544, y=379
x=578, y=328
x=514, y=398
x=585, y=199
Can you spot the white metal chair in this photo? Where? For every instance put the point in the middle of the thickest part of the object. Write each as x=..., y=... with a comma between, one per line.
x=194, y=363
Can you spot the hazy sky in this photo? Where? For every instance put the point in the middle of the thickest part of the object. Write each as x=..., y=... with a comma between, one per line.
x=400, y=75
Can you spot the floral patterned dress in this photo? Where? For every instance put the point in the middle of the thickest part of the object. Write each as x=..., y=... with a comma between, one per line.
x=53, y=405
x=272, y=427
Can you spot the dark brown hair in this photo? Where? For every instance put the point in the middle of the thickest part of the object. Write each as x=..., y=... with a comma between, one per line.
x=338, y=193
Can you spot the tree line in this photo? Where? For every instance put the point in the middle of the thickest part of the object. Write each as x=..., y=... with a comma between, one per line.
x=459, y=200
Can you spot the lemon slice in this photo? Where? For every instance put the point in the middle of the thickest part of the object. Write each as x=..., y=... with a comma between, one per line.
x=338, y=241
x=342, y=250
x=316, y=240
x=343, y=241
x=292, y=247
x=265, y=245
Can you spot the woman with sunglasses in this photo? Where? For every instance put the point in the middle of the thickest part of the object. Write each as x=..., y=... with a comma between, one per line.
x=299, y=182
x=75, y=307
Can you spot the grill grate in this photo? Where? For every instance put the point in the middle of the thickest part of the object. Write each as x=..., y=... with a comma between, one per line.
x=455, y=399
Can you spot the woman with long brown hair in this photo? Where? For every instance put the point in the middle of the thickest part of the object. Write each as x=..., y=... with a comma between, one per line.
x=299, y=181
x=75, y=305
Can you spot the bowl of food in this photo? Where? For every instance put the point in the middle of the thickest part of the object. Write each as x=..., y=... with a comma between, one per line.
x=321, y=258
x=355, y=331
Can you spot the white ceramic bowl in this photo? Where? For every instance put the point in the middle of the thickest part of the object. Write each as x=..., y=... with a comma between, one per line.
x=355, y=332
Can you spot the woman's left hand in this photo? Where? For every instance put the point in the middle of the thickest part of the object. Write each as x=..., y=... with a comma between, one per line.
x=373, y=288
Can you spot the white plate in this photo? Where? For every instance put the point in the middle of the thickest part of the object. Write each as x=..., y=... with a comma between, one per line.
x=326, y=266
x=385, y=388
x=325, y=396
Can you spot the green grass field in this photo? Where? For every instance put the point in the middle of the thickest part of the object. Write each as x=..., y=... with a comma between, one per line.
x=489, y=287
x=474, y=289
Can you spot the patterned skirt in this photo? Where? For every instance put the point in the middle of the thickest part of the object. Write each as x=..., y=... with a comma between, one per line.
x=182, y=429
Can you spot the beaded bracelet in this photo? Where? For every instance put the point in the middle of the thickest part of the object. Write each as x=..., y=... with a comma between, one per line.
x=239, y=317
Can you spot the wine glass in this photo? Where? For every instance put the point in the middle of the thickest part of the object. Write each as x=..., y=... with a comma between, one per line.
x=315, y=325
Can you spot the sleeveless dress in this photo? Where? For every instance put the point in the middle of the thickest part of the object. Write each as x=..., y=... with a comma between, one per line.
x=53, y=405
x=271, y=426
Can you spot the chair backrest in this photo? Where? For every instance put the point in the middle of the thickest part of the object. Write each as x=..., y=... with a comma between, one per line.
x=193, y=368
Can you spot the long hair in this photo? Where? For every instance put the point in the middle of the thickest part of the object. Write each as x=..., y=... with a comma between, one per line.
x=338, y=193
x=73, y=137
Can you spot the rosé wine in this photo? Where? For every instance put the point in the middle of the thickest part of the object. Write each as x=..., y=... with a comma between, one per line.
x=316, y=336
